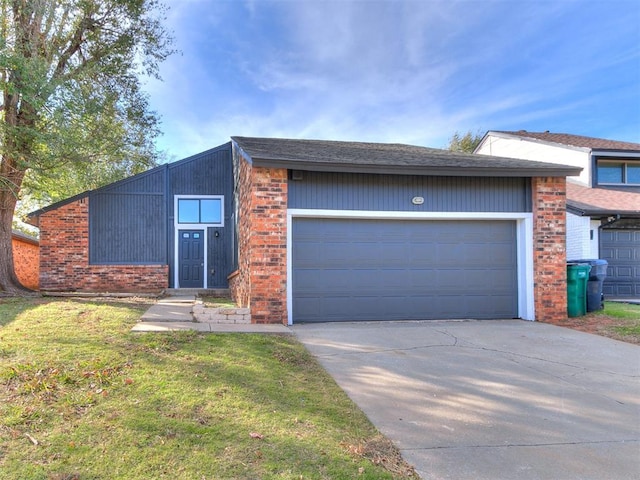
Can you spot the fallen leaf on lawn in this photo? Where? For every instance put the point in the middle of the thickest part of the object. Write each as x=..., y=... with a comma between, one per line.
x=259, y=436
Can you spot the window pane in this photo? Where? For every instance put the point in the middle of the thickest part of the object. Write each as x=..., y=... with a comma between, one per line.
x=610, y=173
x=633, y=173
x=188, y=211
x=210, y=211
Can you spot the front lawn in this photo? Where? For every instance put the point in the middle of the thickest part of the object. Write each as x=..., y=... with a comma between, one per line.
x=83, y=398
x=620, y=321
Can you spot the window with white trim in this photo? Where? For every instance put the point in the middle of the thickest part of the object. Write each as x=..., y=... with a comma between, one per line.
x=200, y=210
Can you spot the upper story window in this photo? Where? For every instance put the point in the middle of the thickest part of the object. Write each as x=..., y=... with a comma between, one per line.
x=194, y=210
x=616, y=172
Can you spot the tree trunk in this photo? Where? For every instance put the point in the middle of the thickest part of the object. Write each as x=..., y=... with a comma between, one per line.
x=8, y=280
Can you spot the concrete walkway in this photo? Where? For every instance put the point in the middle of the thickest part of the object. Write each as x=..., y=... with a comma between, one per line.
x=175, y=313
x=173, y=309
x=491, y=400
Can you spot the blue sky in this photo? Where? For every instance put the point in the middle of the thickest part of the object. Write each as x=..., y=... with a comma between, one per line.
x=397, y=71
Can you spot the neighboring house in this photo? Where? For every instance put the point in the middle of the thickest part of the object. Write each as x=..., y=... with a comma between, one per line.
x=306, y=230
x=603, y=202
x=26, y=259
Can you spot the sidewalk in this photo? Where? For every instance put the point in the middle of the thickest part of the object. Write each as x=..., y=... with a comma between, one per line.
x=175, y=313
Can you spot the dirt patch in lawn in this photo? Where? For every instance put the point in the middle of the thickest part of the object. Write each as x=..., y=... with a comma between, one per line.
x=380, y=451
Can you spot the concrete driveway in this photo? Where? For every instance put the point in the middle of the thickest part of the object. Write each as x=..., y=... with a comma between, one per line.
x=503, y=399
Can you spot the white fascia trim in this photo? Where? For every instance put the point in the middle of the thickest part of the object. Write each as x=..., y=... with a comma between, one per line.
x=193, y=226
x=524, y=240
x=524, y=138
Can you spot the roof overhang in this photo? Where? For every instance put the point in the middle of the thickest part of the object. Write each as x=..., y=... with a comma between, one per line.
x=409, y=170
x=24, y=237
x=586, y=210
x=388, y=159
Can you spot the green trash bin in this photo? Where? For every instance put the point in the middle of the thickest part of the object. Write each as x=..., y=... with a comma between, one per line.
x=577, y=277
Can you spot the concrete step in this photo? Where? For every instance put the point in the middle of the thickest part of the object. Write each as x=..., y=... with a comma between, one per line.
x=177, y=300
x=214, y=292
x=169, y=312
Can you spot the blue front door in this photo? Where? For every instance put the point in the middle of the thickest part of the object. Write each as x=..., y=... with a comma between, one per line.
x=191, y=254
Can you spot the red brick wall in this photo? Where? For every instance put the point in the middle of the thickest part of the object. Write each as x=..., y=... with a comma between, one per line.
x=549, y=248
x=261, y=280
x=26, y=262
x=64, y=258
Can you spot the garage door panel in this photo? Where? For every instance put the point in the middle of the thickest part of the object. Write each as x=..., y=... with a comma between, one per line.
x=307, y=306
x=346, y=270
x=621, y=249
x=329, y=280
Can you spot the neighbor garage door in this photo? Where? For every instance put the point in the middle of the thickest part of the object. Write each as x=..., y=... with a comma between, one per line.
x=359, y=270
x=621, y=248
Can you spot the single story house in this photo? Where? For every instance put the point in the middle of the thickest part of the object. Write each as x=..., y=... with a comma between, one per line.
x=313, y=230
x=603, y=201
x=26, y=258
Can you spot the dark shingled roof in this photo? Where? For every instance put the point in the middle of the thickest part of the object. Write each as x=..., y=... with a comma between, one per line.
x=387, y=158
x=577, y=140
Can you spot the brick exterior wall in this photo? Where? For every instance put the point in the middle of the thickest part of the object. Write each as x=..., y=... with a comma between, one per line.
x=549, y=249
x=261, y=280
x=64, y=258
x=26, y=258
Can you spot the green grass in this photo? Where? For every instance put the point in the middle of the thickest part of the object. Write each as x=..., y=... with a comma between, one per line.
x=627, y=312
x=628, y=326
x=621, y=310
x=83, y=398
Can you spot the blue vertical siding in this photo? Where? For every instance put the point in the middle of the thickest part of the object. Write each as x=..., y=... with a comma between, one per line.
x=127, y=228
x=126, y=221
x=132, y=221
x=208, y=173
x=354, y=191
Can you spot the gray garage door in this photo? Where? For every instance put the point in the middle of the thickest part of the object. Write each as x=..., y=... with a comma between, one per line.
x=621, y=248
x=350, y=270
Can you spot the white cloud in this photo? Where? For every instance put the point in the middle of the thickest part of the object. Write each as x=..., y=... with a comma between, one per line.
x=405, y=71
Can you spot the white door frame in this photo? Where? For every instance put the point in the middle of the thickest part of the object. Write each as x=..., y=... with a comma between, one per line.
x=204, y=227
x=177, y=258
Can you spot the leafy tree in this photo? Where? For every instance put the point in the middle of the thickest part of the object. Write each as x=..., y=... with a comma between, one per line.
x=465, y=143
x=72, y=111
